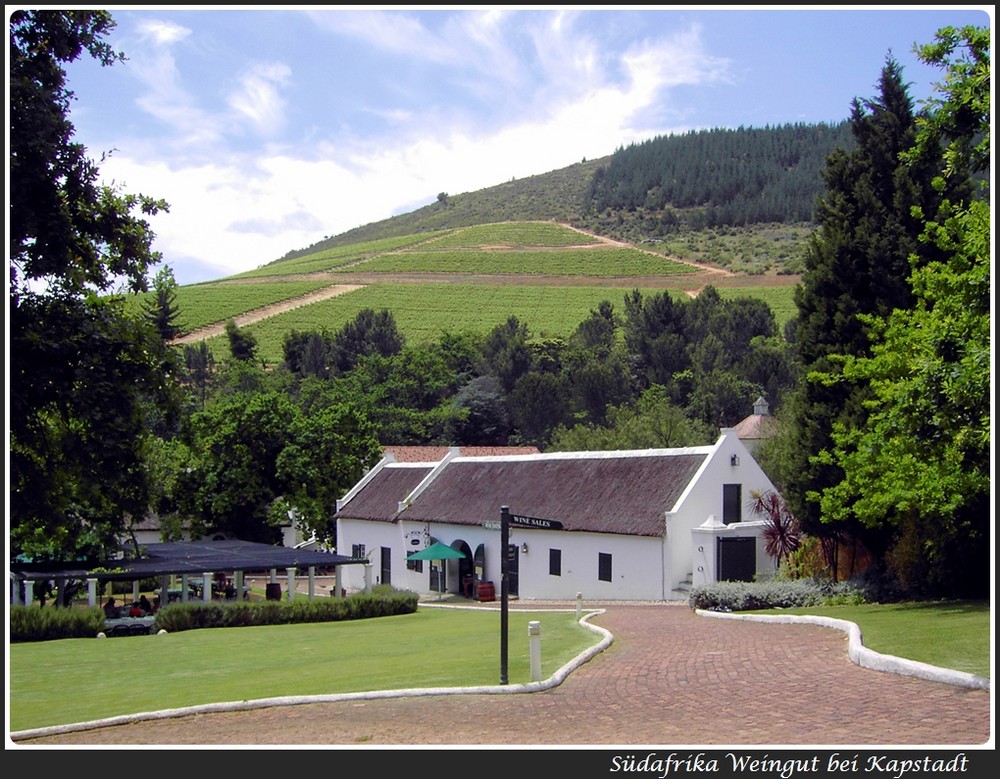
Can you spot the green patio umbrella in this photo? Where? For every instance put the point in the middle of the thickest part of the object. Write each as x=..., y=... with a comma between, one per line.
x=437, y=551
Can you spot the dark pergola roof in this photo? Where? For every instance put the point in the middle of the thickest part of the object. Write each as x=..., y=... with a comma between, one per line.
x=187, y=557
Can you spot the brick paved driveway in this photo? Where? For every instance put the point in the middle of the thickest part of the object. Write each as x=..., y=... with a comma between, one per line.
x=670, y=678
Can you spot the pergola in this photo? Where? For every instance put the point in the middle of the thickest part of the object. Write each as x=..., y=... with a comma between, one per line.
x=191, y=560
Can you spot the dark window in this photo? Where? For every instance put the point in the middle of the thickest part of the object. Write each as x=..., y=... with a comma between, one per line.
x=415, y=565
x=732, y=501
x=604, y=566
x=386, y=554
x=555, y=562
x=357, y=551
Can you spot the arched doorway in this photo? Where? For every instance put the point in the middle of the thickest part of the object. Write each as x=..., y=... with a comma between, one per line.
x=464, y=581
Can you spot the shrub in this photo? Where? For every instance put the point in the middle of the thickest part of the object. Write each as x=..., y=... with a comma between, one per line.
x=773, y=594
x=33, y=623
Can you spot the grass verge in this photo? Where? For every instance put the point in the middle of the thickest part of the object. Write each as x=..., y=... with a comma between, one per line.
x=77, y=680
x=949, y=634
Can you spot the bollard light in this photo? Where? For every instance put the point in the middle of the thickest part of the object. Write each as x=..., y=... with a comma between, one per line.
x=535, y=640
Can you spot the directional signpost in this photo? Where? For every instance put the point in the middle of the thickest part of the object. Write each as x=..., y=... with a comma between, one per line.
x=506, y=520
x=517, y=520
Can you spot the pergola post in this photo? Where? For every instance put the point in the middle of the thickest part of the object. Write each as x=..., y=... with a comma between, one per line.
x=368, y=577
x=312, y=582
x=91, y=592
x=291, y=584
x=184, y=588
x=206, y=586
x=29, y=591
x=240, y=594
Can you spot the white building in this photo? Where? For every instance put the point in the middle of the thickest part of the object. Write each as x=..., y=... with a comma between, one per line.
x=629, y=525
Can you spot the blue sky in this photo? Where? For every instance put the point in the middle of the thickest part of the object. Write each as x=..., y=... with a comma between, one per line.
x=269, y=128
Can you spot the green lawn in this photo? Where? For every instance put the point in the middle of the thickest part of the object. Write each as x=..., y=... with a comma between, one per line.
x=76, y=680
x=949, y=634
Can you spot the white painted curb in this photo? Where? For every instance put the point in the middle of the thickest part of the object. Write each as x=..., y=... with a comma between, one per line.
x=860, y=654
x=293, y=700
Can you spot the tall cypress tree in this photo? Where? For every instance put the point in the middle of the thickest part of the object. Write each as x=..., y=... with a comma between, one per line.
x=857, y=262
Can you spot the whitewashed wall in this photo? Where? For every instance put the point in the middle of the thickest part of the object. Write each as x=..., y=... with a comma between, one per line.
x=643, y=568
x=704, y=499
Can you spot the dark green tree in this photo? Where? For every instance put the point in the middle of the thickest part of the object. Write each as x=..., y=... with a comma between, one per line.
x=919, y=467
x=857, y=264
x=86, y=375
x=507, y=352
x=538, y=403
x=370, y=332
x=161, y=308
x=308, y=353
x=597, y=331
x=655, y=334
x=484, y=414
x=242, y=344
x=200, y=364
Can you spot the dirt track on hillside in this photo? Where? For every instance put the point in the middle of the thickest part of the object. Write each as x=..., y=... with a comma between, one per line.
x=343, y=282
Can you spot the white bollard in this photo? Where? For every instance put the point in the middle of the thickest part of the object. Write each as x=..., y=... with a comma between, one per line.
x=535, y=639
x=579, y=606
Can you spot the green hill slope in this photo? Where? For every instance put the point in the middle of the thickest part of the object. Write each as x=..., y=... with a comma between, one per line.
x=557, y=229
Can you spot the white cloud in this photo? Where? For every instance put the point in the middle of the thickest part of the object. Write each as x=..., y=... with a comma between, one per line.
x=242, y=209
x=392, y=32
x=258, y=98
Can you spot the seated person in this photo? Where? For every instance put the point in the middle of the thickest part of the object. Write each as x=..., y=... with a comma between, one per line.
x=136, y=611
x=145, y=605
x=110, y=609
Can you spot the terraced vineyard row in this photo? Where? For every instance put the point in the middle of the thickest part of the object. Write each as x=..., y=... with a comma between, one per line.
x=512, y=235
x=462, y=280
x=598, y=261
x=329, y=259
x=204, y=304
x=424, y=311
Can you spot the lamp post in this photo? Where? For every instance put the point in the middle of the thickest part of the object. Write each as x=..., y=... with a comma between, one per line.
x=504, y=568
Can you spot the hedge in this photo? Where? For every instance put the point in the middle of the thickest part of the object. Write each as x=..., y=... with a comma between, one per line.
x=33, y=623
x=229, y=614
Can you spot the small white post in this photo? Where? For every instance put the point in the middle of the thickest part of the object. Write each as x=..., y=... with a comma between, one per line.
x=579, y=605
x=535, y=639
x=17, y=594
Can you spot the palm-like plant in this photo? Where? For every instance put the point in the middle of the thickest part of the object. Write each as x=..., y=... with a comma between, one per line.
x=782, y=533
